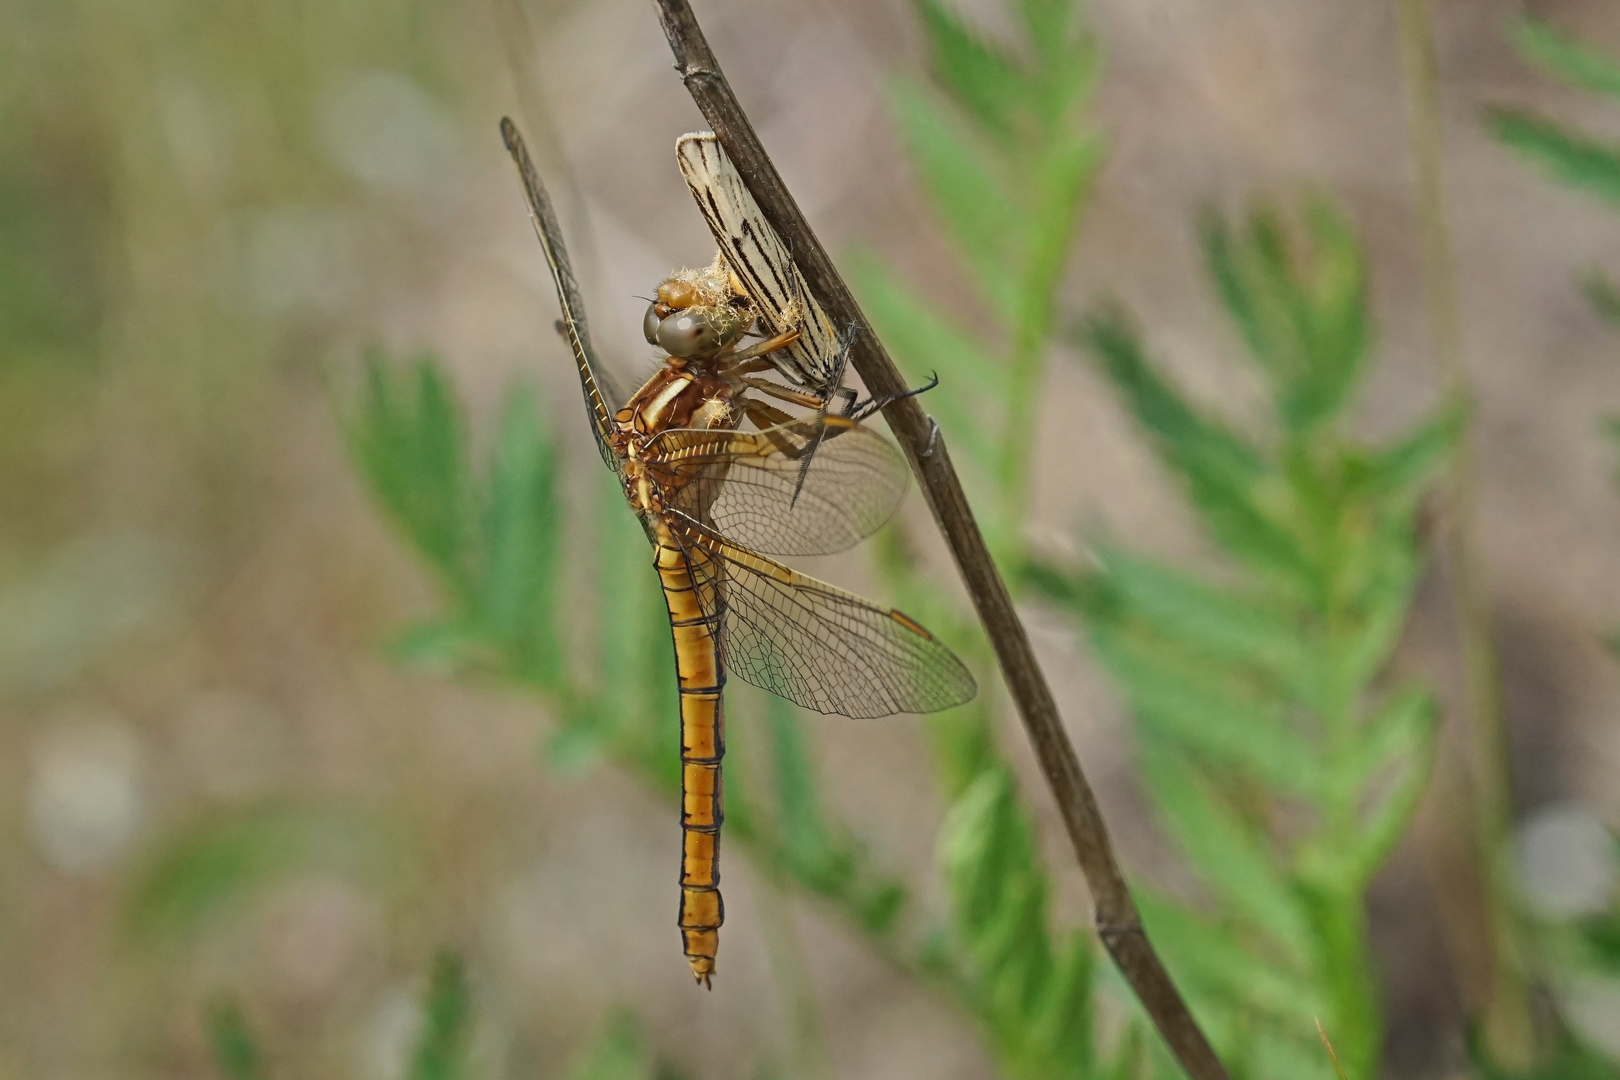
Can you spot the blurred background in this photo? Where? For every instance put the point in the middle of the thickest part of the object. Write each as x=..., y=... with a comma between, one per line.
x=225, y=779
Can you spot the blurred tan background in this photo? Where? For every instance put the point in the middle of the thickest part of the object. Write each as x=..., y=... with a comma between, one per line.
x=208, y=210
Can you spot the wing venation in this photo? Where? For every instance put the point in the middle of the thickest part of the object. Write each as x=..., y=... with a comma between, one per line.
x=597, y=388
x=746, y=484
x=815, y=644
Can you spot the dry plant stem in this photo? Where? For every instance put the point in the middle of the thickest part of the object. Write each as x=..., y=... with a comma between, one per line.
x=1506, y=1027
x=1118, y=923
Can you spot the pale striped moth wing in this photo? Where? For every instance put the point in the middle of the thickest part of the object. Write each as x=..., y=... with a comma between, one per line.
x=763, y=265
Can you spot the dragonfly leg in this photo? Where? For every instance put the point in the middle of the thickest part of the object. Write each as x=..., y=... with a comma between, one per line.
x=785, y=393
x=861, y=410
x=769, y=345
x=747, y=367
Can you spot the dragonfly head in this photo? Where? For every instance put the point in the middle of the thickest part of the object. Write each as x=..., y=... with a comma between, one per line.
x=698, y=312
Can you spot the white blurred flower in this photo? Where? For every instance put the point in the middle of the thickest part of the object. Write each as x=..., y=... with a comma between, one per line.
x=84, y=793
x=1567, y=862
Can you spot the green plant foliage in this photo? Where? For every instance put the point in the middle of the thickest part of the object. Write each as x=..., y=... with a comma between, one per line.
x=203, y=869
x=1581, y=948
x=1033, y=997
x=495, y=540
x=441, y=1045
x=1274, y=753
x=1567, y=58
x=1002, y=151
x=1005, y=157
x=232, y=1044
x=619, y=1053
x=1006, y=160
x=1572, y=157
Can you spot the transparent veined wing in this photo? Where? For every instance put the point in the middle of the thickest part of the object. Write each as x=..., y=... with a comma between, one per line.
x=743, y=484
x=817, y=645
x=762, y=263
x=598, y=390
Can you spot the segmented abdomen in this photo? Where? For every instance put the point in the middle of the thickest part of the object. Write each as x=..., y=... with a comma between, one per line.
x=693, y=617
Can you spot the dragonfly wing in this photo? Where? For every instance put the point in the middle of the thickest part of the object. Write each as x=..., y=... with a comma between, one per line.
x=743, y=484
x=598, y=390
x=819, y=646
x=762, y=263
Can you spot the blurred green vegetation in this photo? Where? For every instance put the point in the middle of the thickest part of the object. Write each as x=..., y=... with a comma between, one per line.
x=1572, y=954
x=1277, y=755
x=184, y=192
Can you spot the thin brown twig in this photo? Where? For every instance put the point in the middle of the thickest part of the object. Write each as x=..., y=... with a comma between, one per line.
x=1117, y=920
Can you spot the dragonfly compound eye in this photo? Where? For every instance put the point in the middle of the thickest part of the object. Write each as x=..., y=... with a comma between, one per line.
x=649, y=324
x=699, y=330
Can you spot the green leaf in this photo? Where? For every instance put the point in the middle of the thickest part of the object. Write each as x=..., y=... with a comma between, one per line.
x=1391, y=813
x=1210, y=964
x=1211, y=621
x=1572, y=158
x=798, y=810
x=1399, y=731
x=232, y=1044
x=922, y=339
x=1565, y=57
x=518, y=595
x=1336, y=328
x=1254, y=305
x=1603, y=295
x=408, y=443
x=1382, y=606
x=436, y=646
x=1226, y=852
x=968, y=199
x=1190, y=442
x=1035, y=1005
x=981, y=76
x=619, y=1053
x=1396, y=475
x=984, y=848
x=441, y=1045
x=1059, y=1027
x=1222, y=473
x=1206, y=719
x=635, y=686
x=1303, y=319
x=209, y=867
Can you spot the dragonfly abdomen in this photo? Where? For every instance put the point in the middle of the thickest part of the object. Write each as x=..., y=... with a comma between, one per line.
x=694, y=625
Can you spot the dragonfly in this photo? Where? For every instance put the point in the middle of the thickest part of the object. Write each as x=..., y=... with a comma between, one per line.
x=718, y=499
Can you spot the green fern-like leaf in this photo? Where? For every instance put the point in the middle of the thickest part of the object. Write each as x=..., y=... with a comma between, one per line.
x=1034, y=999
x=1575, y=159
x=618, y=1053
x=1567, y=58
x=408, y=441
x=1280, y=772
x=231, y=1042
x=442, y=1044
